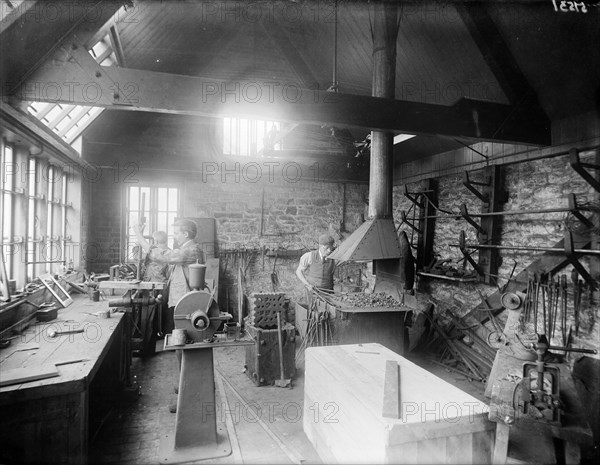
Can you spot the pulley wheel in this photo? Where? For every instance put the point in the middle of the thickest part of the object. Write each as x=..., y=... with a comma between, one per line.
x=496, y=340
x=510, y=300
x=190, y=315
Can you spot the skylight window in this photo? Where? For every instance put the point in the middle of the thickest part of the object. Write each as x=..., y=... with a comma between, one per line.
x=247, y=137
x=69, y=121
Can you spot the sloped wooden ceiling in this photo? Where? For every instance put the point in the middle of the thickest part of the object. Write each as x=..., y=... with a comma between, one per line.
x=437, y=61
x=557, y=52
x=295, y=46
x=439, y=58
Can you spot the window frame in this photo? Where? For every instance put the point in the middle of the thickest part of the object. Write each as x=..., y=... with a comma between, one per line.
x=151, y=214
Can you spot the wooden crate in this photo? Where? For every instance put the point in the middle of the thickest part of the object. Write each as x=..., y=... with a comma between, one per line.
x=262, y=359
x=343, y=405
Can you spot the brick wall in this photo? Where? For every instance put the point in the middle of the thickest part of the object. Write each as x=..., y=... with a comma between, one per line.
x=102, y=249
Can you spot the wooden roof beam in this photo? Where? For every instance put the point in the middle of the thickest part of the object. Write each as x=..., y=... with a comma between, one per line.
x=73, y=77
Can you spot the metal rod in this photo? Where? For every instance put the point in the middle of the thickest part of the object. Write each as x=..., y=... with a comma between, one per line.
x=511, y=213
x=574, y=349
x=531, y=249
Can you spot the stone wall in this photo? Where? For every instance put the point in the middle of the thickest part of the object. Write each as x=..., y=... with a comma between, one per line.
x=530, y=185
x=265, y=226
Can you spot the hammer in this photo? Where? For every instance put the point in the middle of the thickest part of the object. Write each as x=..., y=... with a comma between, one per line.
x=52, y=333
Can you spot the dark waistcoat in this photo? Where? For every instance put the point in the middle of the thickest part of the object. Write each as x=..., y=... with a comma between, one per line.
x=320, y=273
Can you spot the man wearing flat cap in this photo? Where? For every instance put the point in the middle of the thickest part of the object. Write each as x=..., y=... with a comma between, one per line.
x=315, y=269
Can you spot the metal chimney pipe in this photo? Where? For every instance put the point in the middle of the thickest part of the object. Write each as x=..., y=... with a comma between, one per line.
x=385, y=34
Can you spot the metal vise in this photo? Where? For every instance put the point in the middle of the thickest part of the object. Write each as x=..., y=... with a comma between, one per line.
x=129, y=300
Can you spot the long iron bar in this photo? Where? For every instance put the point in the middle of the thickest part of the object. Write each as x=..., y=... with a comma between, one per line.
x=509, y=213
x=530, y=249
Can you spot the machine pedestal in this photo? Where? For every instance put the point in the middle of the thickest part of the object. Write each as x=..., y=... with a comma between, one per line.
x=197, y=435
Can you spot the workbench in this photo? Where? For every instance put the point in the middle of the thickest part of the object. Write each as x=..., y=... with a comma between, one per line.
x=347, y=394
x=79, y=375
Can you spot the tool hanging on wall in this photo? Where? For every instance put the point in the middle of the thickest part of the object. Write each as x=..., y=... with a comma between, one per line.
x=274, y=276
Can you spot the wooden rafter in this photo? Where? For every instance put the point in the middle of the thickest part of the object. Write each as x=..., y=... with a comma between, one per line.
x=497, y=54
x=50, y=28
x=129, y=89
x=280, y=39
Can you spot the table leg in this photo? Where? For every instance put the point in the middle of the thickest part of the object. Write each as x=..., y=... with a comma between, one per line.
x=501, y=444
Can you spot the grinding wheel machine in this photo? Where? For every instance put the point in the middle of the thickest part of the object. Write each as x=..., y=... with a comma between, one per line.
x=198, y=435
x=197, y=312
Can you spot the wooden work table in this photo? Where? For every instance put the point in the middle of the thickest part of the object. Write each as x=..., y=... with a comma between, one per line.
x=53, y=417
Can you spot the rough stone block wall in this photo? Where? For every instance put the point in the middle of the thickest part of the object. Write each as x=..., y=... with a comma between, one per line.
x=256, y=219
x=533, y=185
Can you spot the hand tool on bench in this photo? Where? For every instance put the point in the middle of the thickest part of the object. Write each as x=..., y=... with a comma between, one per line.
x=54, y=333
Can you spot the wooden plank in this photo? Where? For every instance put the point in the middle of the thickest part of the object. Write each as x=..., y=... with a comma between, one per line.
x=482, y=447
x=459, y=449
x=392, y=393
x=42, y=428
x=431, y=451
x=310, y=424
x=25, y=375
x=406, y=453
x=443, y=427
x=169, y=93
x=128, y=285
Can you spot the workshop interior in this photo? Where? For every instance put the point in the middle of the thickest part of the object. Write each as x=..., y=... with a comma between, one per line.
x=299, y=231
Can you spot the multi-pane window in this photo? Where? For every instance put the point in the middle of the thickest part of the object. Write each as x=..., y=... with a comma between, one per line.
x=157, y=207
x=34, y=212
x=248, y=137
x=46, y=218
x=33, y=233
x=7, y=185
